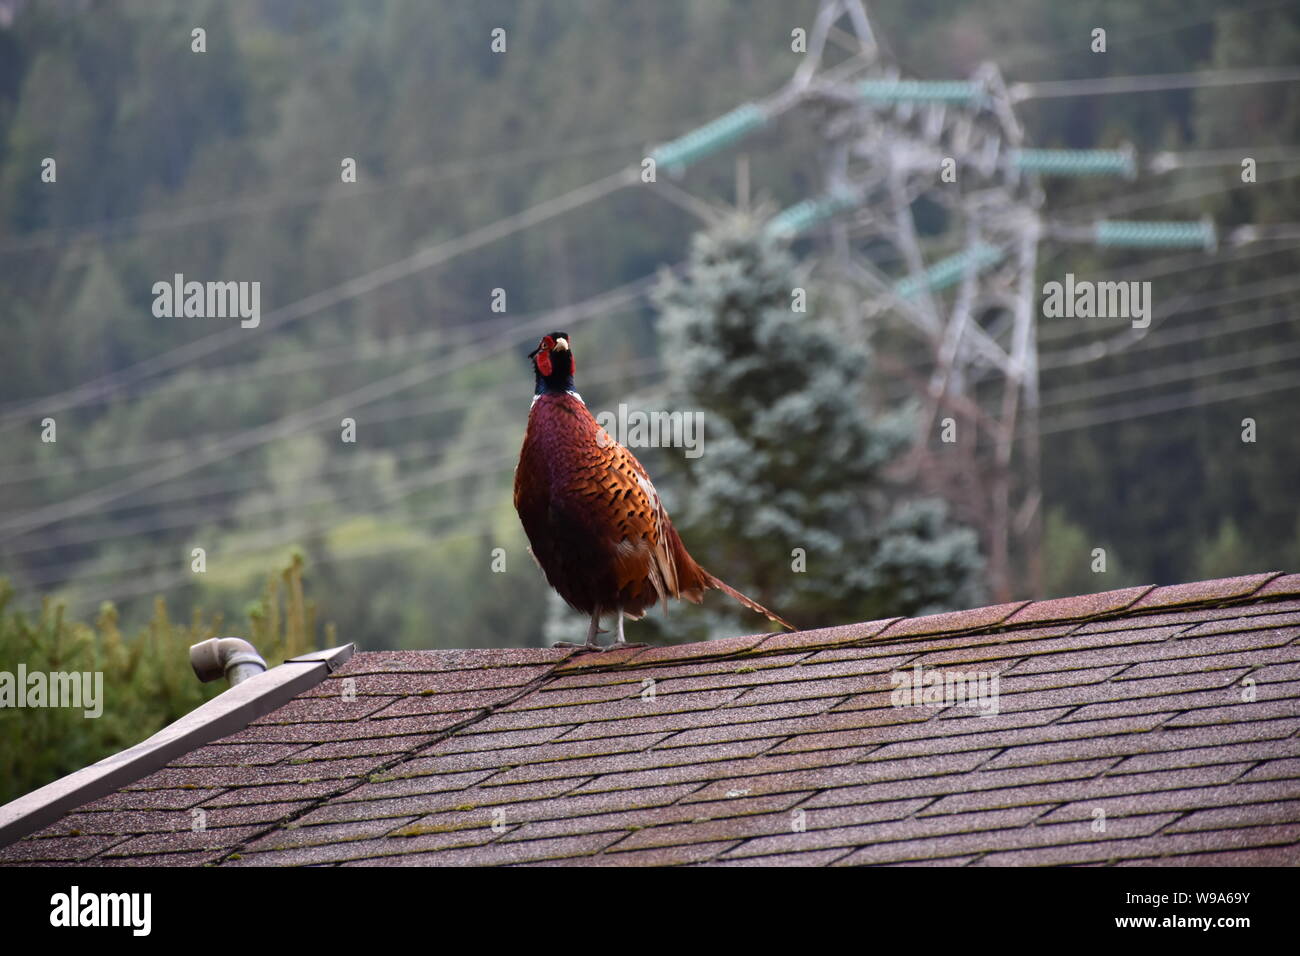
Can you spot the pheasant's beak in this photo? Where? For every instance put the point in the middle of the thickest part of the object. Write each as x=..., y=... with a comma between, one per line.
x=561, y=345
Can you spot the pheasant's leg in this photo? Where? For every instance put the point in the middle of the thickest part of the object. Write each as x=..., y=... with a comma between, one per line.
x=619, y=642
x=592, y=630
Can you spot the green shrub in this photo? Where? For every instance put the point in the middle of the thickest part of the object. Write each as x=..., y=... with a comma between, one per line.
x=147, y=679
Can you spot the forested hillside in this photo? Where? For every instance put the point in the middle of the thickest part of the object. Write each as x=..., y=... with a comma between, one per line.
x=226, y=165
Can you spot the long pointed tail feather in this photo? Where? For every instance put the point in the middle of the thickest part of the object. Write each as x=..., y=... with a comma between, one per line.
x=753, y=605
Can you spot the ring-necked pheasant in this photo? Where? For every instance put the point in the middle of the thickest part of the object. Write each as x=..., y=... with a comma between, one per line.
x=594, y=520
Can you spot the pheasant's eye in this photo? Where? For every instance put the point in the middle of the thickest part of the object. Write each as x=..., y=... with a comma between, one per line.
x=547, y=344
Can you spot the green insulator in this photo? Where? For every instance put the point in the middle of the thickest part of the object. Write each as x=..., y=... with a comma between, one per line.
x=949, y=271
x=804, y=215
x=1163, y=235
x=709, y=138
x=1076, y=162
x=922, y=91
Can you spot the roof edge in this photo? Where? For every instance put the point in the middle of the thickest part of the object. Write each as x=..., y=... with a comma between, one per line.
x=1133, y=602
x=227, y=713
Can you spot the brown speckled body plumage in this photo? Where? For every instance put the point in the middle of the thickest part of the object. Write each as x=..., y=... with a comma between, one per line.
x=592, y=516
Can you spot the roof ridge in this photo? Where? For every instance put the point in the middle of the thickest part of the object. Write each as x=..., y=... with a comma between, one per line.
x=1139, y=601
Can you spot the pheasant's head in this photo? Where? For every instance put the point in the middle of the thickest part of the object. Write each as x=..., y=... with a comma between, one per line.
x=553, y=363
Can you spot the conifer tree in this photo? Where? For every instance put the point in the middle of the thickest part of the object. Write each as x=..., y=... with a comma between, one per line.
x=789, y=496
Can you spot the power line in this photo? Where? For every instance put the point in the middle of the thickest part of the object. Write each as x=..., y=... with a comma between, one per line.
x=775, y=105
x=358, y=458
x=280, y=199
x=1153, y=83
x=396, y=492
x=1213, y=328
x=1171, y=265
x=1157, y=197
x=283, y=537
x=166, y=582
x=1098, y=350
x=1118, y=40
x=1165, y=196
x=1049, y=361
x=480, y=468
x=1125, y=411
x=1168, y=160
x=308, y=360
x=286, y=534
x=499, y=465
x=426, y=258
x=299, y=421
x=123, y=528
x=444, y=402
x=1176, y=372
x=1268, y=232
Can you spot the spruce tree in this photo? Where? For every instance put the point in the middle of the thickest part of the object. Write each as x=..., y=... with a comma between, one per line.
x=788, y=500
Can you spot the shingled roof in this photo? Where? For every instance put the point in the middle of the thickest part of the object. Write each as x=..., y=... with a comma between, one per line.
x=1152, y=725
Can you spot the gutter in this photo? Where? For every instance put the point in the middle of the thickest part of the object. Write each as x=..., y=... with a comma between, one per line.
x=228, y=713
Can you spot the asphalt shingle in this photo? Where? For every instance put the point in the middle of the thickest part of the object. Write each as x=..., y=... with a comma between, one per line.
x=1142, y=726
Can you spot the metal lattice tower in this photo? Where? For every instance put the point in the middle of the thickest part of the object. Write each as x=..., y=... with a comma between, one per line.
x=934, y=213
x=899, y=155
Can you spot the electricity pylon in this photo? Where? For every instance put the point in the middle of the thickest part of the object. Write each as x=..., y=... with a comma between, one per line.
x=934, y=213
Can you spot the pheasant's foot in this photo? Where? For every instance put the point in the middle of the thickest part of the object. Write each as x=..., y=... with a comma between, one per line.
x=590, y=646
